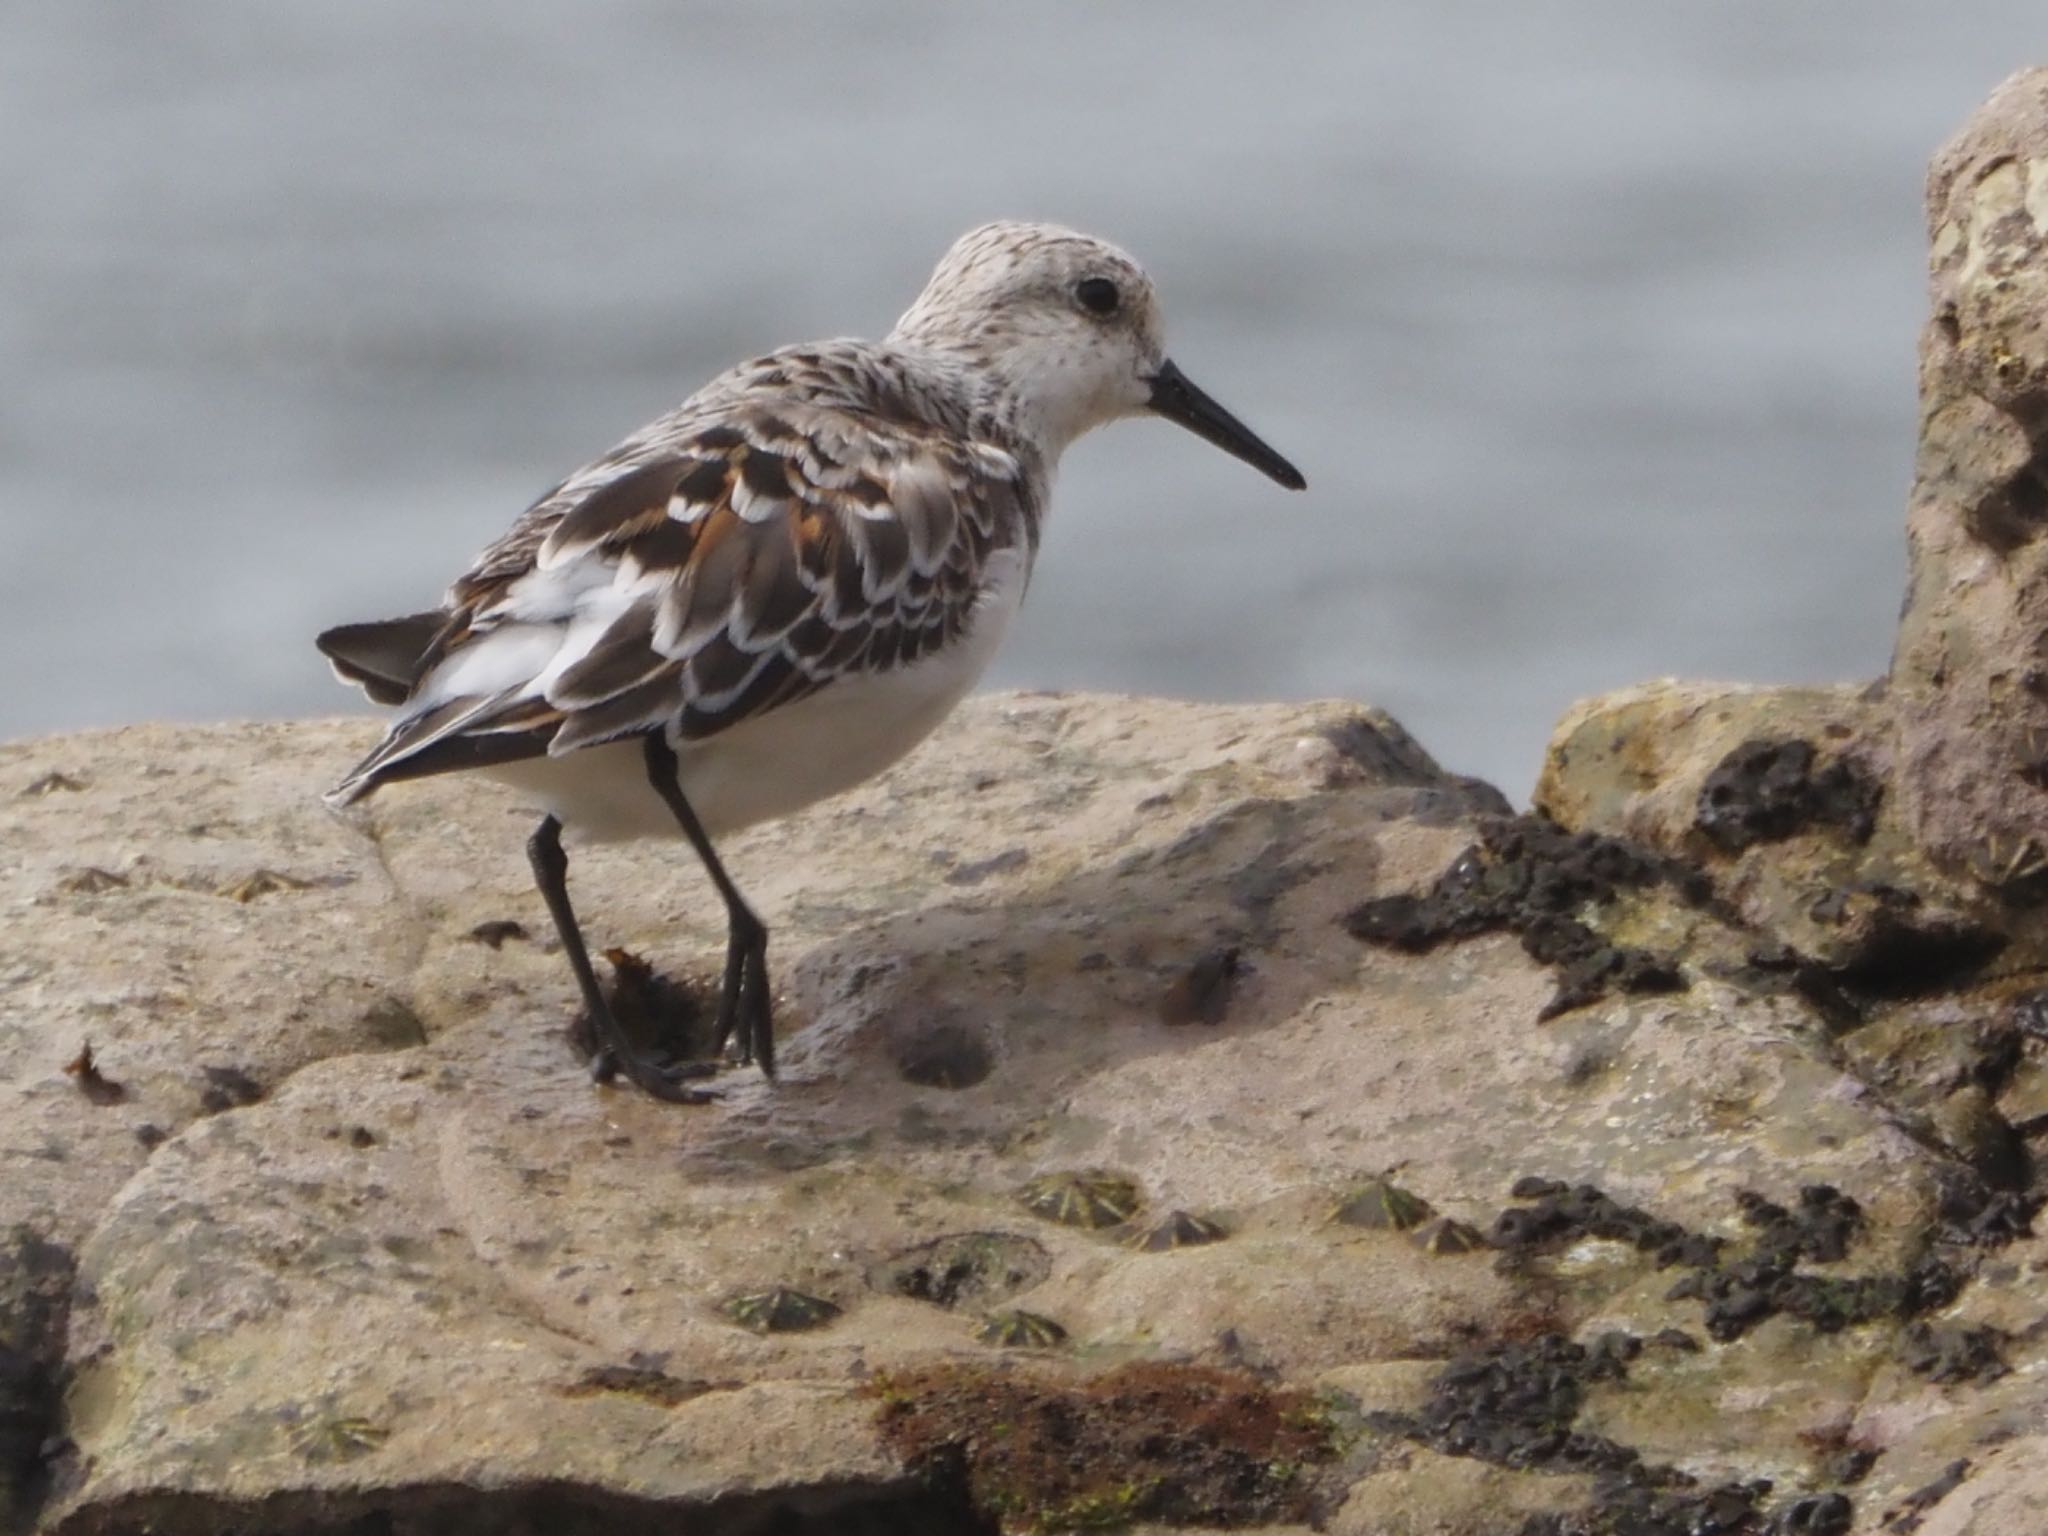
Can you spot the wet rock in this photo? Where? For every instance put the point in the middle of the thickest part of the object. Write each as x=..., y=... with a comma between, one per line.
x=1631, y=1507
x=1879, y=870
x=1851, y=906
x=1824, y=1514
x=1904, y=955
x=1742, y=1291
x=1849, y=1464
x=1518, y=1405
x=1739, y=1296
x=2030, y=1014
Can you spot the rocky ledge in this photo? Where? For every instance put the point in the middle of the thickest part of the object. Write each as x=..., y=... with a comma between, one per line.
x=1191, y=1116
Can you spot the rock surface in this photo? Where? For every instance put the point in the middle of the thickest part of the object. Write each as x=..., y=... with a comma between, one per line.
x=387, y=1253
x=1880, y=850
x=1969, y=682
x=1190, y=1115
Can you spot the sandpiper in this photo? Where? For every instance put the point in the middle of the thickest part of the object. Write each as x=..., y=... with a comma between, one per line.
x=776, y=590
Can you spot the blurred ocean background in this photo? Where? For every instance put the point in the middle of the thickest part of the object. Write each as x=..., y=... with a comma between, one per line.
x=1592, y=323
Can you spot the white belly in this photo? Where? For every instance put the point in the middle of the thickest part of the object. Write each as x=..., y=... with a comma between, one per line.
x=845, y=733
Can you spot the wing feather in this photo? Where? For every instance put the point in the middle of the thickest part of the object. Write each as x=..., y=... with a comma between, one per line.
x=727, y=561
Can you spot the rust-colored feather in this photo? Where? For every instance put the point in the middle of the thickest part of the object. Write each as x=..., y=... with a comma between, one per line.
x=749, y=554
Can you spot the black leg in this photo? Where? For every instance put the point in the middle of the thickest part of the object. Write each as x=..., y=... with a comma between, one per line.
x=614, y=1050
x=743, y=1005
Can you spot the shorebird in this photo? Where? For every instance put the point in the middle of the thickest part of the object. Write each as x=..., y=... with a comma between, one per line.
x=776, y=590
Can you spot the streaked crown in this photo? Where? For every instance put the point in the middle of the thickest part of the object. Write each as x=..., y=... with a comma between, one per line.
x=1064, y=327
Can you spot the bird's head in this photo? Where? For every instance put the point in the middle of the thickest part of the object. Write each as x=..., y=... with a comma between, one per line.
x=1068, y=329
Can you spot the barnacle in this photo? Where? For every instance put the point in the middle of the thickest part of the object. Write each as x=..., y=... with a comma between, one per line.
x=1020, y=1330
x=1380, y=1205
x=780, y=1310
x=1091, y=1197
x=1179, y=1229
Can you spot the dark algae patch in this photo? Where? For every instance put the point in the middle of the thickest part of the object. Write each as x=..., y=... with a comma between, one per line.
x=1515, y=1405
x=1946, y=1353
x=656, y=1012
x=1821, y=1228
x=1974, y=1214
x=1624, y=1507
x=1528, y=876
x=1564, y=894
x=1557, y=1215
x=1174, y=1444
x=1765, y=791
x=1738, y=1296
x=1739, y=1291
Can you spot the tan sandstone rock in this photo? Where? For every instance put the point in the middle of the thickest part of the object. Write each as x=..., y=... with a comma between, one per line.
x=1969, y=683
x=440, y=1276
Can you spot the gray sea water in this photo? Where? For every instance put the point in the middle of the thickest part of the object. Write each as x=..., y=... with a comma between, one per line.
x=1591, y=323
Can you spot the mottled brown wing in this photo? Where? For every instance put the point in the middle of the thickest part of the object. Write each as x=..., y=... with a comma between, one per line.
x=745, y=563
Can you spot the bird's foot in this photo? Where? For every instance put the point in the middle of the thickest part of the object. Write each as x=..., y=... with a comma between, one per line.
x=657, y=1076
x=746, y=1007
x=649, y=1032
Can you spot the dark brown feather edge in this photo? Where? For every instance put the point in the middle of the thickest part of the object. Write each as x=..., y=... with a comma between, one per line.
x=385, y=657
x=451, y=754
x=627, y=516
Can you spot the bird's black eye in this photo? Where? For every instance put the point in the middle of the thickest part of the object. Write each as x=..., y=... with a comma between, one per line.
x=1098, y=295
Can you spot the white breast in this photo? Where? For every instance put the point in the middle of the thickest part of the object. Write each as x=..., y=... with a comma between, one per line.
x=845, y=733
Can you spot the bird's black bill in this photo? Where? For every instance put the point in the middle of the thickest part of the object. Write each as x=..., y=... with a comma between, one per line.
x=1175, y=398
